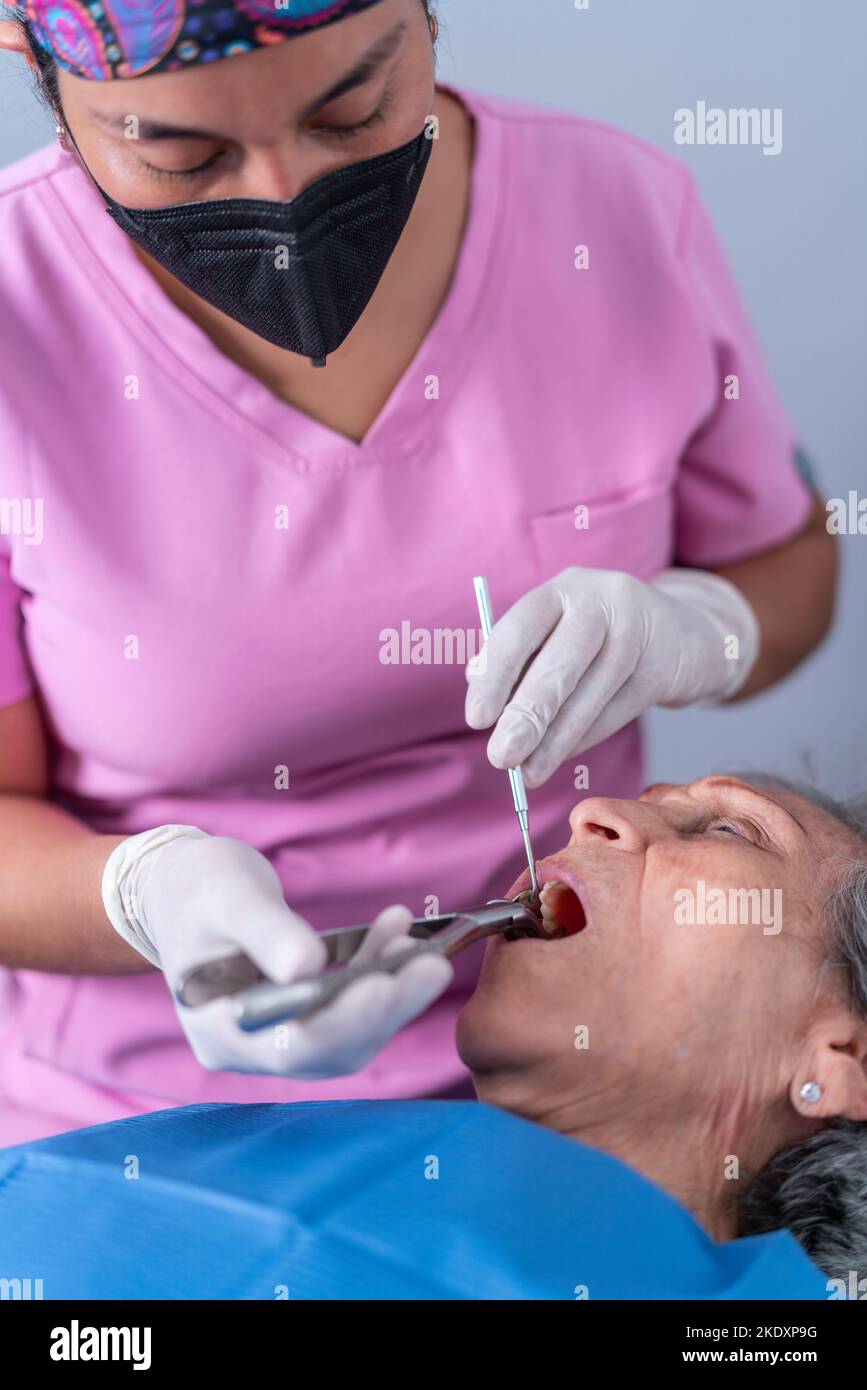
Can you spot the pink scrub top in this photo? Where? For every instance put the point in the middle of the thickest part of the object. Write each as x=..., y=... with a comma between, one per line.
x=221, y=588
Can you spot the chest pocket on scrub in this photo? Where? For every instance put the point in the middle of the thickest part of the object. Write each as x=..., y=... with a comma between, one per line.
x=615, y=533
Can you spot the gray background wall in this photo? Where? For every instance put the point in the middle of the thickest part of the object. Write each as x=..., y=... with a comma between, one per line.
x=795, y=227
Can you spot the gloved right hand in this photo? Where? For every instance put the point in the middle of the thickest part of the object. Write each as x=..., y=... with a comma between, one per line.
x=182, y=898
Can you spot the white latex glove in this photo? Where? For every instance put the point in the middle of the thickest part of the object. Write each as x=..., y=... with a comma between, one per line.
x=182, y=898
x=600, y=647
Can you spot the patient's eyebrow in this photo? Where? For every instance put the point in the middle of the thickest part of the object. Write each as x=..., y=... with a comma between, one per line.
x=733, y=782
x=364, y=70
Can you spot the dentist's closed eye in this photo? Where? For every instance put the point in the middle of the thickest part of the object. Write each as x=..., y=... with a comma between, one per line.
x=155, y=172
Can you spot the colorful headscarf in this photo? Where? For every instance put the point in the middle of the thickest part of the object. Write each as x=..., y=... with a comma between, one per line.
x=107, y=39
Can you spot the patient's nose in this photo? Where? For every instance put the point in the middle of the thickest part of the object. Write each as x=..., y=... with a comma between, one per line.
x=629, y=825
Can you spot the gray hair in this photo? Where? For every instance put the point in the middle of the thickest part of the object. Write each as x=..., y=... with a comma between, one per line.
x=817, y=1188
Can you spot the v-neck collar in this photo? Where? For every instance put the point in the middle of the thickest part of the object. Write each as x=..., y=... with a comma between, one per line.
x=305, y=443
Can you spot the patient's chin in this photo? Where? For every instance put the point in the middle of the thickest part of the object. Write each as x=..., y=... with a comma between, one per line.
x=482, y=1042
x=498, y=1030
x=497, y=1062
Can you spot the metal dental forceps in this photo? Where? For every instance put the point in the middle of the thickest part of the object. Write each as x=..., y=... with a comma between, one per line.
x=259, y=1002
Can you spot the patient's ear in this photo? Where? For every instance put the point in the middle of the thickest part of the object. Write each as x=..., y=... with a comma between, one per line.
x=834, y=1058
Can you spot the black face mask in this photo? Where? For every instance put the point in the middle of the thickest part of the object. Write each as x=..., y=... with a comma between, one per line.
x=298, y=273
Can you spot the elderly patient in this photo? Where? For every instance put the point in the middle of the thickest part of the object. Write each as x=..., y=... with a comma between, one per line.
x=715, y=1040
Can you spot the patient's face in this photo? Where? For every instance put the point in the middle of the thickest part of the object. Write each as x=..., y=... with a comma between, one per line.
x=671, y=988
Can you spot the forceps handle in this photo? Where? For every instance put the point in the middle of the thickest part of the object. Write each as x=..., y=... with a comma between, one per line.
x=233, y=973
x=266, y=1002
x=445, y=935
x=259, y=1002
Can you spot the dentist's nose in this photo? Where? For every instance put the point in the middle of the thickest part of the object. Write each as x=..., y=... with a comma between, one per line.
x=281, y=170
x=630, y=825
x=273, y=174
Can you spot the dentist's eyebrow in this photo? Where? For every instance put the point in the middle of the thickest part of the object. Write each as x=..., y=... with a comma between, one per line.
x=364, y=70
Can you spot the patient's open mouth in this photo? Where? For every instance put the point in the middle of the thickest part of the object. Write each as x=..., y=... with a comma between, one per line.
x=557, y=908
x=561, y=911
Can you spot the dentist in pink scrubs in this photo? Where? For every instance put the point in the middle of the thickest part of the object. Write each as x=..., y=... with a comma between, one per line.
x=346, y=338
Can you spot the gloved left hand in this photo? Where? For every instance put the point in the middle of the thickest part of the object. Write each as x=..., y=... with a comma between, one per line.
x=585, y=653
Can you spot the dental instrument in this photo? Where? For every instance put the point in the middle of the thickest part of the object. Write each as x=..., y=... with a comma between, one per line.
x=516, y=776
x=260, y=1002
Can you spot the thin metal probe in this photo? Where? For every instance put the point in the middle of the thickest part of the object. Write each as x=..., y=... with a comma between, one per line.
x=516, y=776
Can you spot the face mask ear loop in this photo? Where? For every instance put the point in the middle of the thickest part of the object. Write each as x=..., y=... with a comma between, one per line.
x=66, y=134
x=66, y=140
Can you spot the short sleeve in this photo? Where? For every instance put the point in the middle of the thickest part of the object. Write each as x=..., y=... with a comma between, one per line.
x=740, y=488
x=16, y=681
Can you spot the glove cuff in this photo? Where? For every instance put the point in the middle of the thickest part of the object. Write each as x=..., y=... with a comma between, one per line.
x=723, y=605
x=120, y=884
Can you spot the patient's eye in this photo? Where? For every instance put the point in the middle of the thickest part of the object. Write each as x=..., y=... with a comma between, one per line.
x=745, y=830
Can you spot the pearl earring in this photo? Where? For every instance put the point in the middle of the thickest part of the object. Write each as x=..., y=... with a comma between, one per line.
x=810, y=1092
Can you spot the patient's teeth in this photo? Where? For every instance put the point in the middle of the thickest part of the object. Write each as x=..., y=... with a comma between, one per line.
x=561, y=909
x=548, y=906
x=556, y=909
x=548, y=927
x=548, y=896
